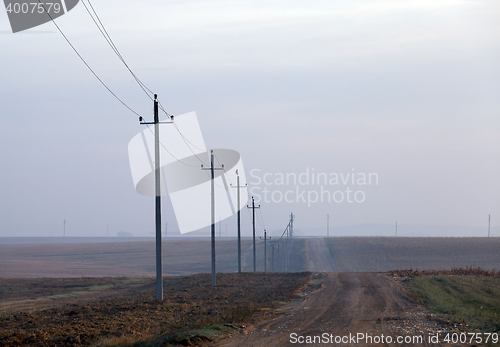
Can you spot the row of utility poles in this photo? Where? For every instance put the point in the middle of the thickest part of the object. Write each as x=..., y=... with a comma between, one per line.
x=283, y=245
x=159, y=268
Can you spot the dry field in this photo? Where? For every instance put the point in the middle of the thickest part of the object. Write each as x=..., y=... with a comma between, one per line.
x=182, y=257
x=117, y=259
x=423, y=253
x=87, y=311
x=47, y=297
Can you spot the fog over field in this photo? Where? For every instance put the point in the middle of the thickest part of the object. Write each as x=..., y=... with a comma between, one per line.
x=371, y=112
x=182, y=257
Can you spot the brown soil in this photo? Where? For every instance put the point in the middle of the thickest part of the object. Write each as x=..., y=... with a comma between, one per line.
x=343, y=304
x=78, y=312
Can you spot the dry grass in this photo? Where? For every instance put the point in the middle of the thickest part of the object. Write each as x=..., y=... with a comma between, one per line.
x=468, y=298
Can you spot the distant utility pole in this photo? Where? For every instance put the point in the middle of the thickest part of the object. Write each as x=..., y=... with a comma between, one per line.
x=159, y=268
x=489, y=224
x=239, y=219
x=272, y=258
x=265, y=250
x=279, y=259
x=396, y=229
x=166, y=226
x=64, y=228
x=327, y=225
x=253, y=224
x=289, y=241
x=107, y=230
x=212, y=168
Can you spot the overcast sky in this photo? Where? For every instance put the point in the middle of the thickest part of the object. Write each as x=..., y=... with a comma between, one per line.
x=406, y=90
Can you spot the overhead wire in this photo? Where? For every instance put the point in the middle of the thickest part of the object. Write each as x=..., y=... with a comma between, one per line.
x=227, y=176
x=108, y=39
x=165, y=148
x=184, y=138
x=261, y=220
x=85, y=62
x=97, y=21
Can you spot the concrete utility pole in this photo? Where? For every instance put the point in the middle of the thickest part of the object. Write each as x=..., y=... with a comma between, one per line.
x=327, y=225
x=489, y=224
x=396, y=229
x=239, y=219
x=272, y=258
x=279, y=259
x=64, y=228
x=289, y=242
x=159, y=269
x=212, y=168
x=265, y=250
x=253, y=224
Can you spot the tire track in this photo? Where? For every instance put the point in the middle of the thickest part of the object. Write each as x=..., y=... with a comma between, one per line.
x=344, y=304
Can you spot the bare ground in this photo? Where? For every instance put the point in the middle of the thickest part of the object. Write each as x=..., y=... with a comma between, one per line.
x=337, y=303
x=341, y=304
x=82, y=312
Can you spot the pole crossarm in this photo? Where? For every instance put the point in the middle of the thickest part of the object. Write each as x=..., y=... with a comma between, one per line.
x=146, y=123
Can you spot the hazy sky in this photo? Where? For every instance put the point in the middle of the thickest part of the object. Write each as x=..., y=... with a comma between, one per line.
x=406, y=90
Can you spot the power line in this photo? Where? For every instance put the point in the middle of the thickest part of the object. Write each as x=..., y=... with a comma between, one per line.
x=86, y=64
x=165, y=148
x=261, y=220
x=108, y=39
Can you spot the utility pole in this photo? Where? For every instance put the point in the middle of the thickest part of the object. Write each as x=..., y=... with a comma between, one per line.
x=289, y=242
x=489, y=223
x=166, y=226
x=212, y=168
x=107, y=230
x=253, y=224
x=265, y=250
x=279, y=259
x=272, y=258
x=64, y=228
x=239, y=219
x=327, y=225
x=159, y=269
x=396, y=229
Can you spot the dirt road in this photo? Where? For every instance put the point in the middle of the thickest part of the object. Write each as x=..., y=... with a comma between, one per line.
x=320, y=259
x=343, y=305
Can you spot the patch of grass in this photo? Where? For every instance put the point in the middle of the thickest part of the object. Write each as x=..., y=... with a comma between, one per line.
x=473, y=302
